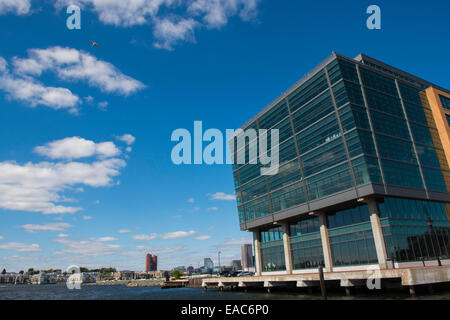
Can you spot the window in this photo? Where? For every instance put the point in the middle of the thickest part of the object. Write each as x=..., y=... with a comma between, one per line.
x=445, y=102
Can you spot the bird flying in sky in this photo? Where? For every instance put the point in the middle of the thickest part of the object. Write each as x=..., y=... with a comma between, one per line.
x=94, y=44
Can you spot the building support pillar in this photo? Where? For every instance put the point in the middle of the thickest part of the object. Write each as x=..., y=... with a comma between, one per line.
x=287, y=248
x=377, y=231
x=326, y=246
x=258, y=258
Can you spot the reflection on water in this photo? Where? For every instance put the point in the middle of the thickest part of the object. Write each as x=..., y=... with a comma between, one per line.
x=60, y=292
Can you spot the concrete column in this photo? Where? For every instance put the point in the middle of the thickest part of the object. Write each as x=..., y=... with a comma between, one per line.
x=377, y=231
x=258, y=258
x=287, y=248
x=326, y=246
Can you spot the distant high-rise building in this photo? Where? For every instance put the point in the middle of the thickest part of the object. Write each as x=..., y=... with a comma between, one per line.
x=151, y=263
x=247, y=256
x=154, y=263
x=208, y=263
x=148, y=259
x=236, y=265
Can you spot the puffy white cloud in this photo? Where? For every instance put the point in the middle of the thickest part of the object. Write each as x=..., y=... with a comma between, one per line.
x=178, y=234
x=76, y=65
x=127, y=138
x=56, y=226
x=63, y=235
x=222, y=196
x=169, y=31
x=75, y=148
x=106, y=239
x=38, y=187
x=121, y=13
x=33, y=93
x=20, y=247
x=87, y=217
x=124, y=231
x=173, y=21
x=17, y=7
x=191, y=200
x=217, y=12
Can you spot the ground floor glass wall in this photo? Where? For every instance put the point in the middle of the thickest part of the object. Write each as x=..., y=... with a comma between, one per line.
x=415, y=230
x=306, y=244
x=272, y=250
x=351, y=237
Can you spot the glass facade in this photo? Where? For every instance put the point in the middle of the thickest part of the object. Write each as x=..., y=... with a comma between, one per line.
x=350, y=123
x=415, y=230
x=272, y=250
x=445, y=102
x=351, y=237
x=347, y=125
x=306, y=244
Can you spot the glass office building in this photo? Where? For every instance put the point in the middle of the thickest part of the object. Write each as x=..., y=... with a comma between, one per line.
x=363, y=176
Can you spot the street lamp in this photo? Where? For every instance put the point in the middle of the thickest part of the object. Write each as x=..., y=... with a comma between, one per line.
x=219, y=261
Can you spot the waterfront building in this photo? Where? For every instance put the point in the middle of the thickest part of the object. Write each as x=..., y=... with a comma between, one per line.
x=363, y=178
x=236, y=265
x=247, y=257
x=208, y=263
x=124, y=275
x=151, y=262
x=44, y=278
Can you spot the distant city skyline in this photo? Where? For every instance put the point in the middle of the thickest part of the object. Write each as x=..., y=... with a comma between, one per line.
x=86, y=176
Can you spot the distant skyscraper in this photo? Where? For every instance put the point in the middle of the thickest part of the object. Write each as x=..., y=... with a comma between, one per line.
x=151, y=263
x=148, y=259
x=209, y=264
x=154, y=263
x=236, y=265
x=247, y=256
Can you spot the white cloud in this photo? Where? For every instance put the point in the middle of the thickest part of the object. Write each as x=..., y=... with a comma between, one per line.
x=1, y=237
x=191, y=200
x=33, y=93
x=17, y=7
x=86, y=248
x=213, y=209
x=76, y=65
x=203, y=237
x=217, y=12
x=76, y=147
x=169, y=31
x=38, y=187
x=106, y=239
x=127, y=138
x=178, y=234
x=238, y=242
x=169, y=235
x=55, y=226
x=145, y=237
x=20, y=247
x=173, y=21
x=222, y=196
x=123, y=231
x=87, y=217
x=124, y=13
x=63, y=235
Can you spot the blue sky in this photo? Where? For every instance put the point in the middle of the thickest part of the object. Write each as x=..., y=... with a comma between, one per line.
x=69, y=188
